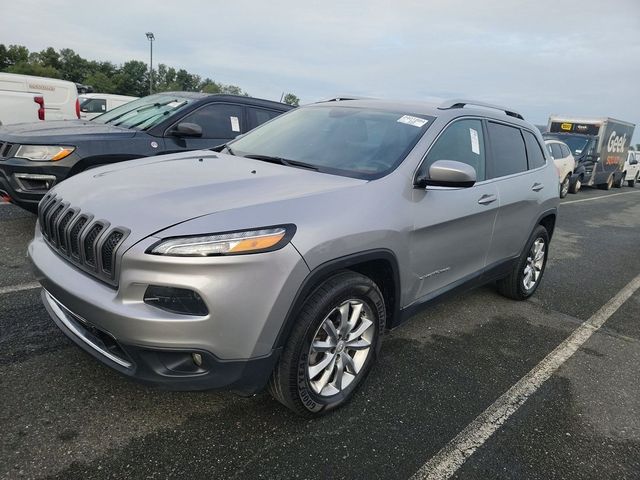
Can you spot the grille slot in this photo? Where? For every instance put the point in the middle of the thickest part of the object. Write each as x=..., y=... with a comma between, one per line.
x=108, y=249
x=88, y=244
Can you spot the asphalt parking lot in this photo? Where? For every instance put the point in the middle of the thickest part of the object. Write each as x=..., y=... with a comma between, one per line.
x=65, y=416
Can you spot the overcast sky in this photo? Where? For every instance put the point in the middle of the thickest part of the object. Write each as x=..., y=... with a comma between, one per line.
x=538, y=57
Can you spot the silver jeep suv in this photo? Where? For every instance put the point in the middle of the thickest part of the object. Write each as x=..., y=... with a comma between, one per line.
x=280, y=258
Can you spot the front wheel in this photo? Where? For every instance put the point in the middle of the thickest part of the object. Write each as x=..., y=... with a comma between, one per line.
x=575, y=188
x=526, y=275
x=332, y=347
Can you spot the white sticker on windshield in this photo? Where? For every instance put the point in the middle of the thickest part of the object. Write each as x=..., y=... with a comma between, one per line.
x=475, y=142
x=415, y=121
x=235, y=124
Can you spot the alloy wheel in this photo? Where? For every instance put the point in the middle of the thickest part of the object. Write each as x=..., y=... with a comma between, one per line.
x=340, y=347
x=533, y=265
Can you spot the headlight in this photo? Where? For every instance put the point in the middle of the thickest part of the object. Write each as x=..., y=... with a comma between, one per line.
x=43, y=153
x=234, y=243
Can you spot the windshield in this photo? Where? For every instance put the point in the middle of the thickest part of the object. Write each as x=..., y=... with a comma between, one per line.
x=144, y=113
x=577, y=143
x=351, y=141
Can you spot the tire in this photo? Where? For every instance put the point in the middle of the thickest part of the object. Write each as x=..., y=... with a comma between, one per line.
x=575, y=187
x=620, y=182
x=312, y=392
x=514, y=285
x=564, y=186
x=608, y=185
x=632, y=183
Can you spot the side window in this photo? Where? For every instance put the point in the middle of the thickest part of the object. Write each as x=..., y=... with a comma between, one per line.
x=218, y=120
x=556, y=151
x=257, y=116
x=94, y=105
x=534, y=153
x=565, y=150
x=462, y=141
x=509, y=154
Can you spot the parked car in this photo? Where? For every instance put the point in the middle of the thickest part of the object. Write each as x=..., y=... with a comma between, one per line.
x=599, y=146
x=60, y=97
x=34, y=157
x=20, y=107
x=565, y=165
x=632, y=168
x=282, y=257
x=94, y=104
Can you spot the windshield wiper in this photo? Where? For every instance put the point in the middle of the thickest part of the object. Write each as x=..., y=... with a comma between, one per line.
x=281, y=161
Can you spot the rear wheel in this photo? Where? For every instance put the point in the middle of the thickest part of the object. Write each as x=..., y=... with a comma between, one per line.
x=332, y=346
x=575, y=188
x=526, y=275
x=564, y=186
x=620, y=182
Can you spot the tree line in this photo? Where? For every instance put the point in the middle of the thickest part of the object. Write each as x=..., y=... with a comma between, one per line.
x=129, y=78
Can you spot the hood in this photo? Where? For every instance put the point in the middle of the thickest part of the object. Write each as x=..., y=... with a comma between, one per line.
x=151, y=194
x=60, y=131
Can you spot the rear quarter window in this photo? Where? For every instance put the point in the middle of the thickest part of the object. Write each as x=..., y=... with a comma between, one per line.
x=534, y=151
x=509, y=155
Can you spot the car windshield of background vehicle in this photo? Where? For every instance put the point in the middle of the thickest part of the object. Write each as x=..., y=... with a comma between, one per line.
x=576, y=143
x=144, y=113
x=350, y=141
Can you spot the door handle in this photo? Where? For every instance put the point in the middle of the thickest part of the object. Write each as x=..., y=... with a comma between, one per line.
x=537, y=187
x=487, y=199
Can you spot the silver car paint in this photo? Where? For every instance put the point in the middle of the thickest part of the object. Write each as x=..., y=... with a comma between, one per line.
x=438, y=235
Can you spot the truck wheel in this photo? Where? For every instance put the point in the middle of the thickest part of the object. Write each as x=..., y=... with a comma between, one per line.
x=564, y=186
x=608, y=185
x=575, y=188
x=332, y=346
x=526, y=275
x=632, y=183
x=620, y=182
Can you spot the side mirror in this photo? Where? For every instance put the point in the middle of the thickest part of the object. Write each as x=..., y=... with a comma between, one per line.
x=186, y=129
x=448, y=173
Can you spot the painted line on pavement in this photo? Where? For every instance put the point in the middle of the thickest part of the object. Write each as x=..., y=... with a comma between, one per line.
x=453, y=455
x=19, y=288
x=598, y=197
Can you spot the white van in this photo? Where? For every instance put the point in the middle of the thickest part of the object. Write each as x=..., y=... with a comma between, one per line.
x=20, y=107
x=632, y=168
x=60, y=97
x=94, y=104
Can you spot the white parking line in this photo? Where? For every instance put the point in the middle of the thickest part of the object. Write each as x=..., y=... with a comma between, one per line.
x=453, y=455
x=598, y=197
x=19, y=288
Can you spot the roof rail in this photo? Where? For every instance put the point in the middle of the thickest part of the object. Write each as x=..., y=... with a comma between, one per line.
x=459, y=103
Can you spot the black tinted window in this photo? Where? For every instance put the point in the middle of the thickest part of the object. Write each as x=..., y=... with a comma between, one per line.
x=94, y=105
x=218, y=120
x=258, y=116
x=555, y=151
x=565, y=150
x=509, y=155
x=534, y=152
x=463, y=142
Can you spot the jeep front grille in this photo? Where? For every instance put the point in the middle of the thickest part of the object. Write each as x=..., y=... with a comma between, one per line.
x=76, y=236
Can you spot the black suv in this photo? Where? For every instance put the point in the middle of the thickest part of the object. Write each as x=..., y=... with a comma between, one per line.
x=36, y=156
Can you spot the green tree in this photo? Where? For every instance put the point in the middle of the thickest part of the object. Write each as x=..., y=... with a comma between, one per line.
x=72, y=66
x=13, y=54
x=101, y=83
x=25, y=68
x=291, y=99
x=132, y=79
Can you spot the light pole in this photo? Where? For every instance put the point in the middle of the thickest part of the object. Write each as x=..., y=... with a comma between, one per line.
x=151, y=38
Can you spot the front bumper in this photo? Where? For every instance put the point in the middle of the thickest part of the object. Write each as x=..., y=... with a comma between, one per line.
x=26, y=182
x=247, y=296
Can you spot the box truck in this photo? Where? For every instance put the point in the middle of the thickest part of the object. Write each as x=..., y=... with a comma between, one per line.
x=599, y=145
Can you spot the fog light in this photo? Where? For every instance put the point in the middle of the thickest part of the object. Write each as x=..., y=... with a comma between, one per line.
x=197, y=359
x=175, y=300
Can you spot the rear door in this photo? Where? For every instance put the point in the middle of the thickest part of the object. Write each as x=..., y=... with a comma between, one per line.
x=514, y=163
x=453, y=226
